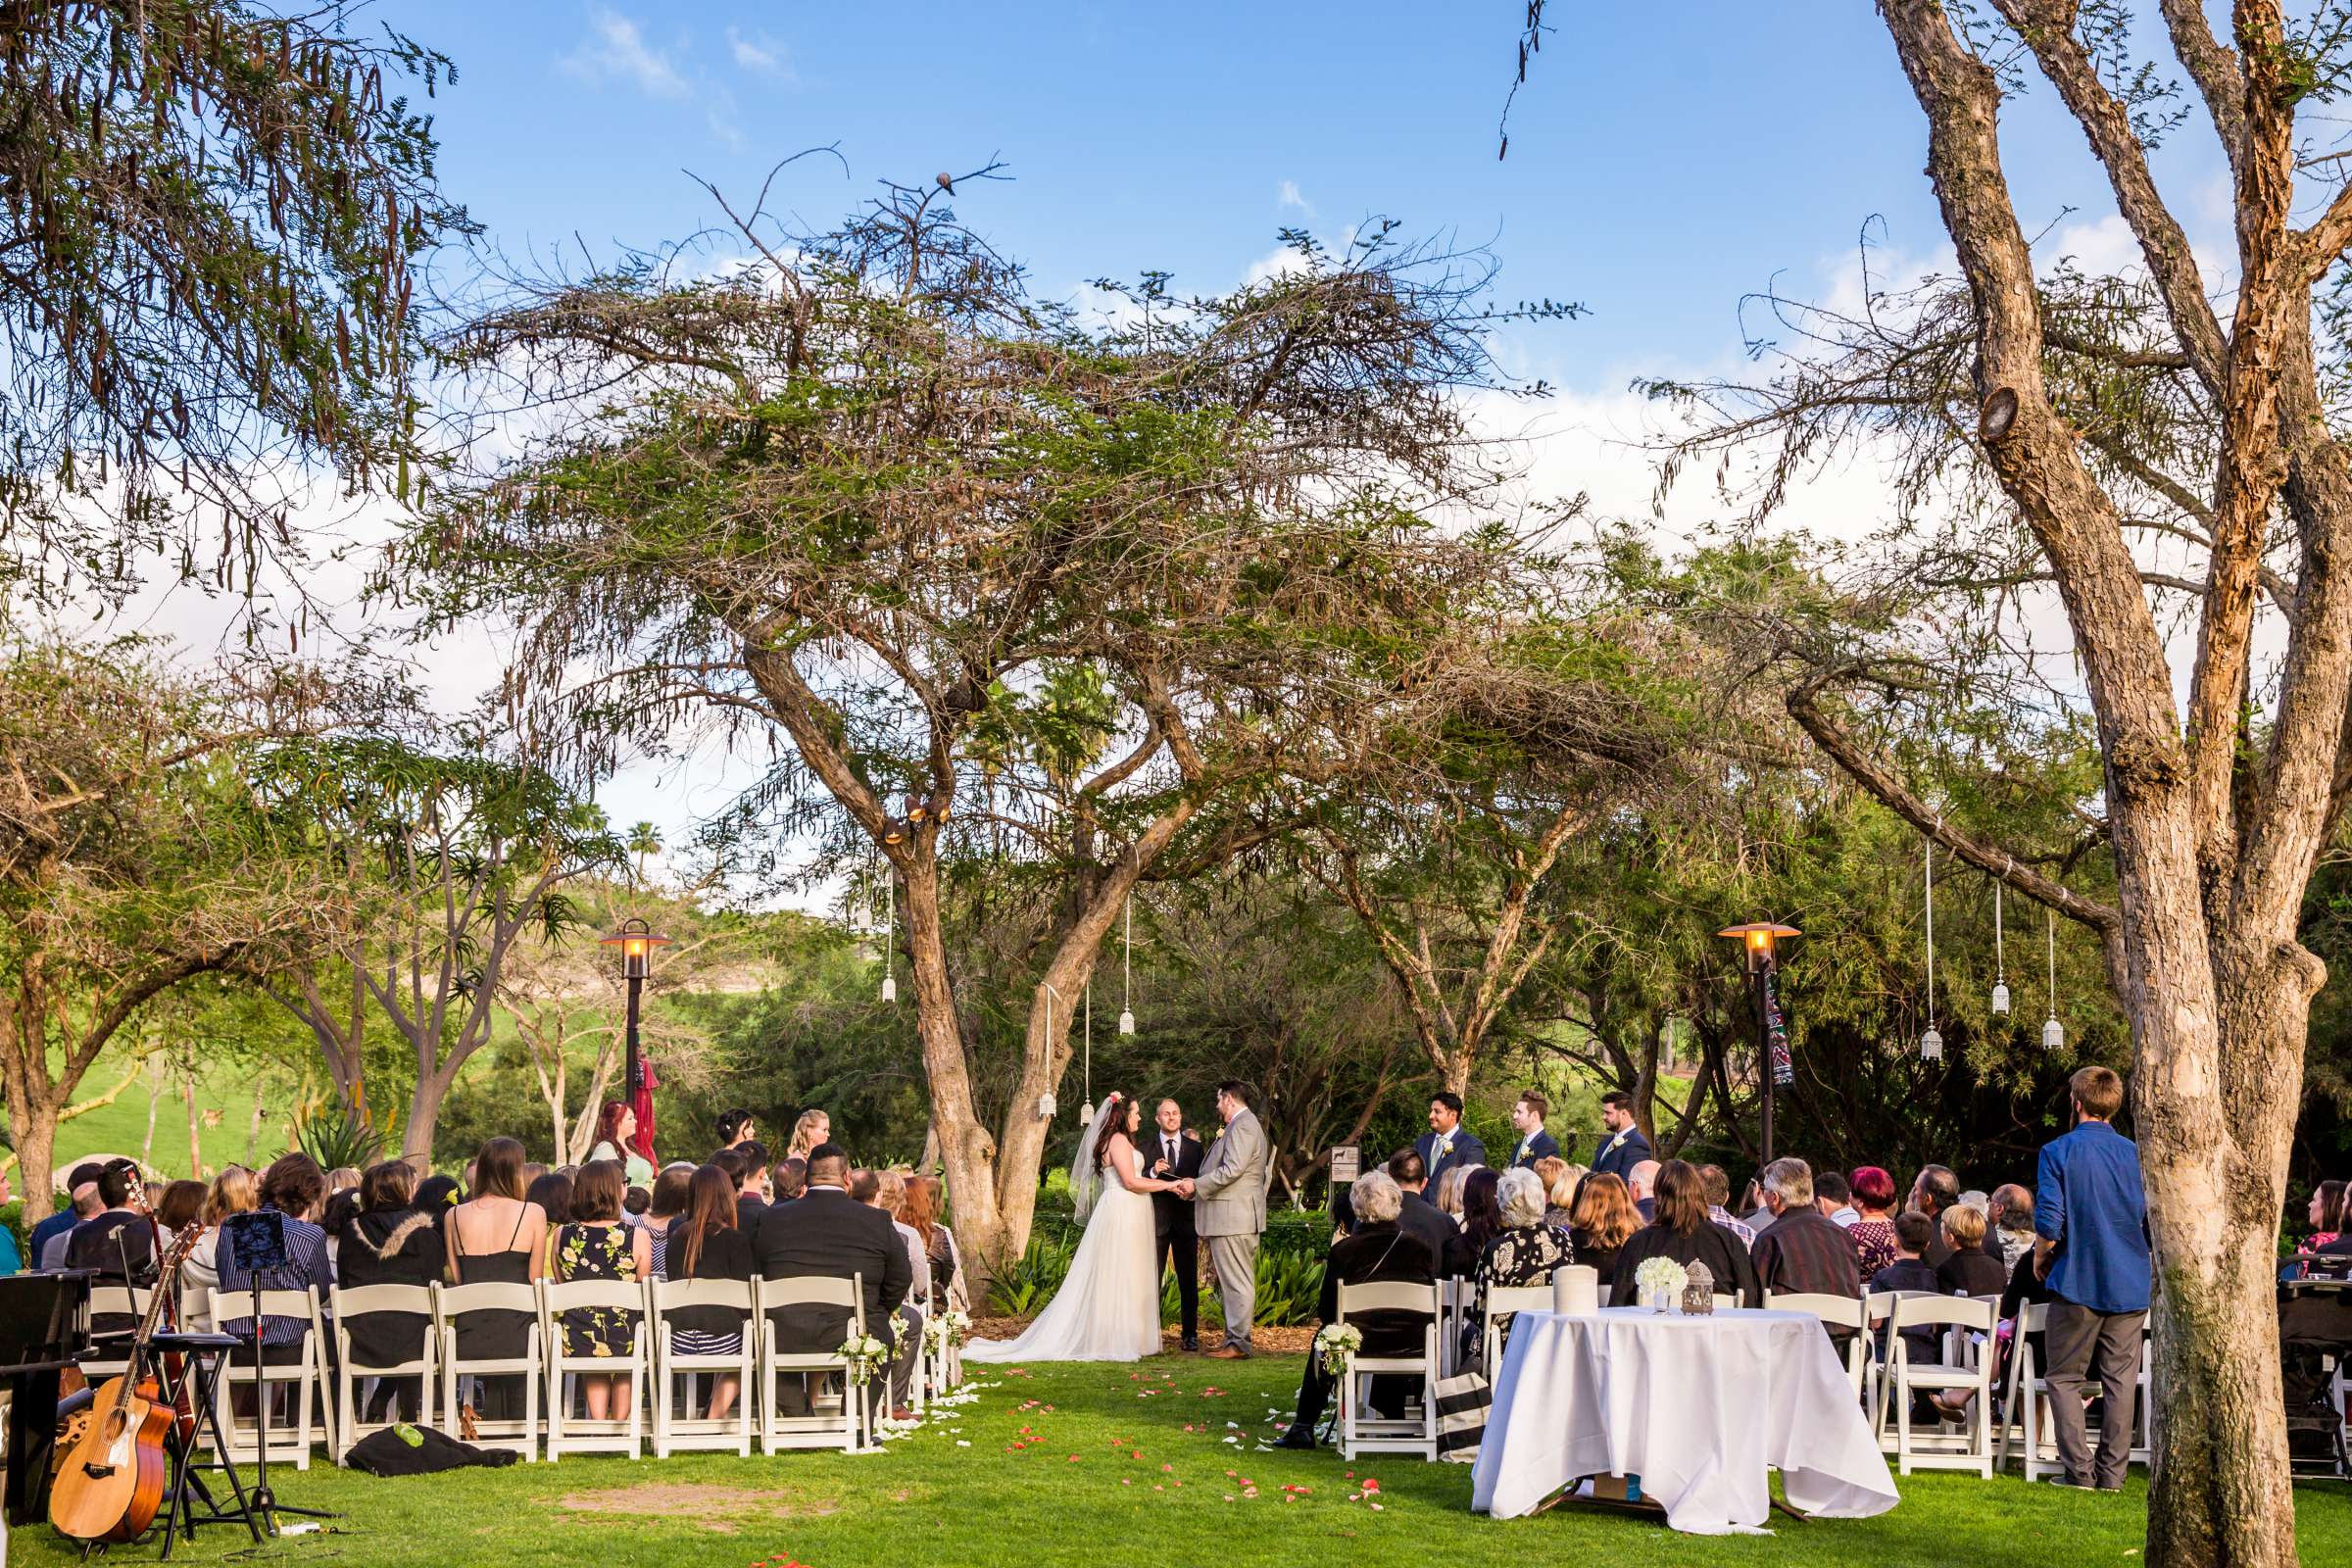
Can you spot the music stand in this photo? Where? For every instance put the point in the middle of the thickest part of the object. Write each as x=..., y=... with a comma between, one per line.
x=258, y=1242
x=201, y=1357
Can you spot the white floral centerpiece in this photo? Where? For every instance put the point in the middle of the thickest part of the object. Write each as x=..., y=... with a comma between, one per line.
x=865, y=1355
x=1335, y=1342
x=1659, y=1283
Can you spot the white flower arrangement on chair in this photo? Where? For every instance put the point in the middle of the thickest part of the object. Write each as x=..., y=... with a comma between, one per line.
x=1336, y=1342
x=865, y=1355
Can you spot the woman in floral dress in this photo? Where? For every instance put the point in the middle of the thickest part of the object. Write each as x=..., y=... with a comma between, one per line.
x=1525, y=1251
x=599, y=1244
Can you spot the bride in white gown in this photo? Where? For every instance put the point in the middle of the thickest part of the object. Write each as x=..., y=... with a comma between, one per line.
x=1108, y=1308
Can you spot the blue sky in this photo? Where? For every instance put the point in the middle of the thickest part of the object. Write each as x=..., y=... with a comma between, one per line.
x=1665, y=158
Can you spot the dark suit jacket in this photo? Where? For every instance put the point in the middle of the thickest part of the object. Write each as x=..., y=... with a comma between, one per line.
x=1541, y=1147
x=1427, y=1224
x=1467, y=1150
x=748, y=1210
x=1621, y=1159
x=1170, y=1215
x=826, y=1233
x=1374, y=1255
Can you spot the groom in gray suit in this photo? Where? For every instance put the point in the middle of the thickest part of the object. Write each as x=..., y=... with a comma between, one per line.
x=1229, y=1210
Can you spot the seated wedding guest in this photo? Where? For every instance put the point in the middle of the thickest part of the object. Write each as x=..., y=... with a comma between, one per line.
x=1606, y=1220
x=1803, y=1251
x=812, y=1129
x=553, y=1194
x=736, y=1127
x=750, y=1200
x=532, y=1171
x=1873, y=1233
x=1717, y=1183
x=1910, y=1275
x=1548, y=1171
x=1835, y=1199
x=389, y=1241
x=1482, y=1222
x=231, y=1192
x=790, y=1180
x=2025, y=1289
x=597, y=1244
x=1525, y=1251
x=436, y=1196
x=2330, y=1212
x=497, y=1237
x=1417, y=1217
x=705, y=1243
x=1375, y=1251
x=1936, y=1189
x=916, y=1209
x=49, y=1237
x=180, y=1206
x=615, y=1125
x=342, y=1179
x=338, y=1211
x=667, y=1202
x=1642, y=1182
x=828, y=1234
x=889, y=1195
x=2009, y=1225
x=1684, y=1233
x=117, y=1241
x=293, y=1188
x=1448, y=1196
x=1968, y=1270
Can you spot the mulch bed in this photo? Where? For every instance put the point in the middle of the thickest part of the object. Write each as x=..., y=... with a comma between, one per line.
x=1268, y=1341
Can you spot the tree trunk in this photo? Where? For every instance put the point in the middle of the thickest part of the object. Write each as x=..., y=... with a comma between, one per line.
x=195, y=1130
x=155, y=1073
x=253, y=1128
x=966, y=1150
x=425, y=1111
x=36, y=1162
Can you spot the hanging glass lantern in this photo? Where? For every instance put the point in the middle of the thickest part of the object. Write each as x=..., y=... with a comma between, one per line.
x=1931, y=1046
x=2000, y=967
x=2053, y=1034
x=890, y=987
x=1127, y=965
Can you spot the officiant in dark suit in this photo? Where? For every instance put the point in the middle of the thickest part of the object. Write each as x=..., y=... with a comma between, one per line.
x=1447, y=1142
x=1170, y=1154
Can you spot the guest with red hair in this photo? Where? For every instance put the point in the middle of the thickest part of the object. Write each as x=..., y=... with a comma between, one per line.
x=615, y=1125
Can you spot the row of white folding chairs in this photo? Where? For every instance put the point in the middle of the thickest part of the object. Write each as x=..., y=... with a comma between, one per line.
x=545, y=1369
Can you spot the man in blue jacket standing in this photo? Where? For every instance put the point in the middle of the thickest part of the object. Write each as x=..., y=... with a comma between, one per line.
x=2091, y=1224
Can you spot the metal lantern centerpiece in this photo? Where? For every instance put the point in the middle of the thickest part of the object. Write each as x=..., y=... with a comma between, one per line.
x=1758, y=939
x=636, y=941
x=1698, y=1290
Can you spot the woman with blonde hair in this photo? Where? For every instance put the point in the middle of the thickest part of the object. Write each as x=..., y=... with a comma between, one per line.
x=814, y=1128
x=233, y=1192
x=1449, y=1191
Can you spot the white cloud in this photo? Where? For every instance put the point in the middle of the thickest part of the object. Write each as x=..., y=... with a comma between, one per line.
x=617, y=51
x=758, y=52
x=1288, y=196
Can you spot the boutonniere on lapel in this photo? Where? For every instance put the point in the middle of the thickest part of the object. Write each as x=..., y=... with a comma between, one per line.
x=1618, y=1138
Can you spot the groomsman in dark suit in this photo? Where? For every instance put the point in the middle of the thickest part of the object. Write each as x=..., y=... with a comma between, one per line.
x=1447, y=1142
x=1170, y=1154
x=1622, y=1147
x=1527, y=1114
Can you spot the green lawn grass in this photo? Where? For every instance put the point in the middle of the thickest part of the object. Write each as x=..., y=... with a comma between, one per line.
x=1107, y=1474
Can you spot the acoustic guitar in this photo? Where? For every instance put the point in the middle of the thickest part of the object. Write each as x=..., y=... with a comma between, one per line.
x=112, y=1480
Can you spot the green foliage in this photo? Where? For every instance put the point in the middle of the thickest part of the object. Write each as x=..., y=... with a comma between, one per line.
x=1023, y=1289
x=340, y=1136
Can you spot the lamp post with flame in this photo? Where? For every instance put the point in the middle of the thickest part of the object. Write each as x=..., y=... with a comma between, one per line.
x=636, y=941
x=1757, y=938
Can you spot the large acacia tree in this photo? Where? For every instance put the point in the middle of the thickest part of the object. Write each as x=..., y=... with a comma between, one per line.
x=208, y=214
x=2073, y=422
x=860, y=496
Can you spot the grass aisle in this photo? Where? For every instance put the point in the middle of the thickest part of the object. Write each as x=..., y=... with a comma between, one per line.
x=1080, y=1466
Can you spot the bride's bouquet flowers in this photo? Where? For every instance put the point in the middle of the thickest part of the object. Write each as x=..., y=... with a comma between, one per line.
x=944, y=1331
x=1335, y=1342
x=865, y=1355
x=1660, y=1281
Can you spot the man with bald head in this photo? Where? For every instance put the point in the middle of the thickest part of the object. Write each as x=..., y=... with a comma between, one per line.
x=1642, y=1183
x=1170, y=1154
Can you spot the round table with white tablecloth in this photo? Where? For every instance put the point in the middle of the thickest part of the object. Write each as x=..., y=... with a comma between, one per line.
x=1701, y=1408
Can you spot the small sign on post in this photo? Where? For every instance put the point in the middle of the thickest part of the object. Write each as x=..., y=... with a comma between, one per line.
x=1347, y=1161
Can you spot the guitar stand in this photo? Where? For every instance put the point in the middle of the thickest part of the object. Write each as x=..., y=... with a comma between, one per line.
x=204, y=1354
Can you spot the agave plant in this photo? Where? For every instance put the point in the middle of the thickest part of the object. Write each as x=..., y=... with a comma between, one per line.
x=339, y=1135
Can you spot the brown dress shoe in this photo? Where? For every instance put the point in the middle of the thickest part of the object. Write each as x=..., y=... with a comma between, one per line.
x=1228, y=1353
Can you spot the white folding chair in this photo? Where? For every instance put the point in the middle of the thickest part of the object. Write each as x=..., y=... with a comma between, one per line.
x=1502, y=1300
x=312, y=1420
x=816, y=1428
x=671, y=1431
x=1840, y=1313
x=581, y=1433
x=360, y=1301
x=454, y=1305
x=115, y=1301
x=1904, y=1375
x=1360, y=1433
